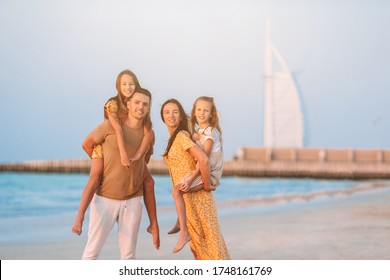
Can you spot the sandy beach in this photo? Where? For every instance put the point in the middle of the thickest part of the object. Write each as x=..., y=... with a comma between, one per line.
x=331, y=227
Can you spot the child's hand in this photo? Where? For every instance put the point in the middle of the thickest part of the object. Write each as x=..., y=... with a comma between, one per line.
x=185, y=187
x=196, y=137
x=125, y=161
x=133, y=159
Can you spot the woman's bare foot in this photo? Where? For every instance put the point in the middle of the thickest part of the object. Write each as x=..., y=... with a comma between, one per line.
x=183, y=240
x=155, y=232
x=175, y=229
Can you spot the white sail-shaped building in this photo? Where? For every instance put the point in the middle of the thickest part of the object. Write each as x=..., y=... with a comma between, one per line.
x=283, y=118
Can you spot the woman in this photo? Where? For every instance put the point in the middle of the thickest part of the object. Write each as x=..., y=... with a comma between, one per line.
x=181, y=154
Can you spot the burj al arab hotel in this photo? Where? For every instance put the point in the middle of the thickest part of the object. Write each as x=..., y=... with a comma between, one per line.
x=283, y=117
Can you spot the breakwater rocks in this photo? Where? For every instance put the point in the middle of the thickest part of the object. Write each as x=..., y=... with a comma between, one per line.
x=237, y=167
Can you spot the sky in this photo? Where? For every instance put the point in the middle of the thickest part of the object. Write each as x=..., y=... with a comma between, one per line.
x=59, y=61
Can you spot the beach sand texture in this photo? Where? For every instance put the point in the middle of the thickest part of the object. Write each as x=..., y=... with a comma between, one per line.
x=344, y=226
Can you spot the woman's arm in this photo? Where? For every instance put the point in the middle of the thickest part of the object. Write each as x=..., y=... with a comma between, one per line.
x=207, y=149
x=203, y=161
x=208, y=145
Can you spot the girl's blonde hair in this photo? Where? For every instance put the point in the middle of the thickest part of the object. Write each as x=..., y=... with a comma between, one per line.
x=214, y=120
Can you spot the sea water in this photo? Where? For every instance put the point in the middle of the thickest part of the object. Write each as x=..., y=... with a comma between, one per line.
x=39, y=206
x=41, y=194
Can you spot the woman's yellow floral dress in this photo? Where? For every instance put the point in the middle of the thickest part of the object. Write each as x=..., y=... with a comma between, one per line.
x=206, y=237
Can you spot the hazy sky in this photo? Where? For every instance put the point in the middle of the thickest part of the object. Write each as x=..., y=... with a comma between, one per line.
x=59, y=61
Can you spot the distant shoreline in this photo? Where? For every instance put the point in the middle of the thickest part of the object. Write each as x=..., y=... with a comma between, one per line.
x=242, y=168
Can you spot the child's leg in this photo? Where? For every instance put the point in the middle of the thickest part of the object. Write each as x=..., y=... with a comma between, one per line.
x=175, y=228
x=181, y=212
x=150, y=204
x=95, y=176
x=196, y=185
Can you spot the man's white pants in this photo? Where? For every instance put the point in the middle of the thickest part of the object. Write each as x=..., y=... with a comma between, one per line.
x=104, y=213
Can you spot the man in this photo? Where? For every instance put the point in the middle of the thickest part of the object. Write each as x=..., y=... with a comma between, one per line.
x=119, y=196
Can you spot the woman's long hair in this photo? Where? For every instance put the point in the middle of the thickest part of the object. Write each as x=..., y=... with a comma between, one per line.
x=183, y=124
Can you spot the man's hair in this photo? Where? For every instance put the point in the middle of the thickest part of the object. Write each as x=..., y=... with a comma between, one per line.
x=147, y=120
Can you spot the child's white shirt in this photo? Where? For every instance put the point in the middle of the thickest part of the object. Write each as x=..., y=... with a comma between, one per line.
x=213, y=134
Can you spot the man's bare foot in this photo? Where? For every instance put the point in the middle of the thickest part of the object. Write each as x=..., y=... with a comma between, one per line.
x=155, y=232
x=183, y=240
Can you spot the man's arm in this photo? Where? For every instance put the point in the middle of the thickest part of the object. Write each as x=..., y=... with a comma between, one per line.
x=88, y=144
